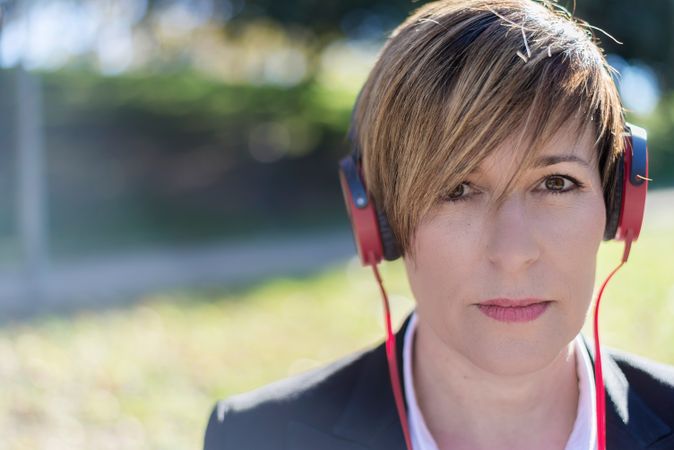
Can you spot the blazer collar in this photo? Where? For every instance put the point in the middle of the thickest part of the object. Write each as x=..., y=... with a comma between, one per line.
x=625, y=409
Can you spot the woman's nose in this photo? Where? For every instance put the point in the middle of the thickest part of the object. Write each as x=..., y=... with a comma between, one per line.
x=512, y=243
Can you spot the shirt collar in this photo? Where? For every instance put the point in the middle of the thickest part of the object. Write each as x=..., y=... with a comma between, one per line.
x=583, y=435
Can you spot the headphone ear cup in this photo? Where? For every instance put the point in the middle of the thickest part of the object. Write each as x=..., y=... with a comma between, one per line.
x=388, y=239
x=634, y=184
x=613, y=206
x=362, y=213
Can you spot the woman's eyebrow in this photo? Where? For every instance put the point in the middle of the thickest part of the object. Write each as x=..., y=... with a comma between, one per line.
x=548, y=161
x=555, y=159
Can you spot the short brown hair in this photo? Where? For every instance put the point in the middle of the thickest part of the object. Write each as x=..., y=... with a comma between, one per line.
x=458, y=77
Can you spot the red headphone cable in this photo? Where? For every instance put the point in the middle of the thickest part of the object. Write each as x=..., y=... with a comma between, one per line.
x=391, y=353
x=598, y=374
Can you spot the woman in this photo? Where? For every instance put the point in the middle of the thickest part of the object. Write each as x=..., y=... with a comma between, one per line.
x=489, y=134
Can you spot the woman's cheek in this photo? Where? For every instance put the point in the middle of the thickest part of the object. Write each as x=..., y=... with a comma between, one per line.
x=444, y=250
x=576, y=227
x=443, y=247
x=450, y=238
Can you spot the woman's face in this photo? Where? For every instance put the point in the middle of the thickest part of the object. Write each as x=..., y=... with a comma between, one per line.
x=539, y=243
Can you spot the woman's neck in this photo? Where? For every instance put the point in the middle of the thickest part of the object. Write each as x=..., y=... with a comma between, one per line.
x=465, y=407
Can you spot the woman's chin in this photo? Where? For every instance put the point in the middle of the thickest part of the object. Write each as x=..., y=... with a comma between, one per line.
x=514, y=357
x=509, y=345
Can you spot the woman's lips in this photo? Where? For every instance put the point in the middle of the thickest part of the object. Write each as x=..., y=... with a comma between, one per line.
x=506, y=310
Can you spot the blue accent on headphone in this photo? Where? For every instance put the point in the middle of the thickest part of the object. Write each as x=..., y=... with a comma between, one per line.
x=638, y=155
x=355, y=184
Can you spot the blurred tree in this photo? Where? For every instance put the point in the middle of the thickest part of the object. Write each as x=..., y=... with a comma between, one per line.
x=645, y=30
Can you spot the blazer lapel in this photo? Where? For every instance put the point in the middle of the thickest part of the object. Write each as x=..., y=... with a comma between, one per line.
x=629, y=420
x=371, y=417
x=302, y=437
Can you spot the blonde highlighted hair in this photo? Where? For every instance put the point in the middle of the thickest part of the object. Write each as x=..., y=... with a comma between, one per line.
x=457, y=78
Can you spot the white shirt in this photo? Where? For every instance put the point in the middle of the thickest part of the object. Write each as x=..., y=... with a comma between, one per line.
x=584, y=433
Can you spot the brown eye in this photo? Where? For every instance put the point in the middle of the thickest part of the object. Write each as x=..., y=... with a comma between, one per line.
x=555, y=183
x=458, y=192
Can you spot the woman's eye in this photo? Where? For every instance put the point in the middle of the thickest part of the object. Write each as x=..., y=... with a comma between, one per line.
x=458, y=193
x=559, y=184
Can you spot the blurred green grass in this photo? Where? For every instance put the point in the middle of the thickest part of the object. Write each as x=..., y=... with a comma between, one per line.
x=147, y=376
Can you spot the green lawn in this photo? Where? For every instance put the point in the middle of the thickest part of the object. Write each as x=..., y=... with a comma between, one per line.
x=147, y=376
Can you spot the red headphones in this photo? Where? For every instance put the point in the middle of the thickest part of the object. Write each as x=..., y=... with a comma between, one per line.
x=375, y=240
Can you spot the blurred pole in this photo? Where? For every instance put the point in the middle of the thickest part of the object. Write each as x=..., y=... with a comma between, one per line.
x=31, y=191
x=671, y=42
x=30, y=171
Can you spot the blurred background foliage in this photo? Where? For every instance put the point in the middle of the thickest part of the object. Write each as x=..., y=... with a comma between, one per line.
x=148, y=159
x=178, y=121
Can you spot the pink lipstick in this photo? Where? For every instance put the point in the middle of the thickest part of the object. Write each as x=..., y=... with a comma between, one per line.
x=508, y=310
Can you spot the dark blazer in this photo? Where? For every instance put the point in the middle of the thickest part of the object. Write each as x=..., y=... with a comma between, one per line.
x=349, y=405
